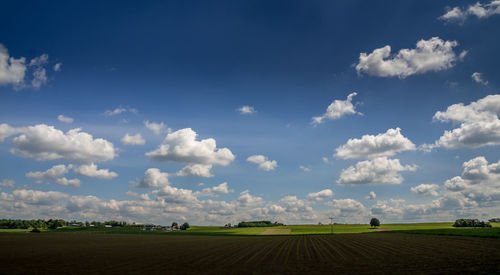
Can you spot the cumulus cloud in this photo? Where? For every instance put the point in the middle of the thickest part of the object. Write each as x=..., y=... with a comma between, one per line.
x=133, y=140
x=64, y=119
x=91, y=171
x=478, y=78
x=157, y=128
x=381, y=145
x=371, y=196
x=434, y=54
x=7, y=131
x=196, y=170
x=43, y=142
x=56, y=171
x=68, y=182
x=153, y=177
x=39, y=72
x=36, y=197
x=245, y=199
x=246, y=110
x=479, y=124
x=12, y=70
x=215, y=191
x=7, y=183
x=57, y=67
x=175, y=195
x=377, y=171
x=119, y=110
x=480, y=10
x=337, y=109
x=426, y=189
x=347, y=208
x=293, y=204
x=263, y=162
x=323, y=194
x=182, y=146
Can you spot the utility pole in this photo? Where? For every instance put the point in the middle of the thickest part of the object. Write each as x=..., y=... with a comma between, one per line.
x=331, y=222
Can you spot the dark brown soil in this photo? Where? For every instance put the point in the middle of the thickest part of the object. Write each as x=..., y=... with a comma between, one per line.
x=370, y=253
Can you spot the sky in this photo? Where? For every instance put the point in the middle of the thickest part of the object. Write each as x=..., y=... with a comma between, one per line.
x=215, y=112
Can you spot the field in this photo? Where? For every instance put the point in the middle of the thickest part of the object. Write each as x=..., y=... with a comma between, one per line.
x=413, y=228
x=212, y=254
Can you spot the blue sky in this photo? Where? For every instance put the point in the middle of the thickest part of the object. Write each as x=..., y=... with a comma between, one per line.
x=107, y=68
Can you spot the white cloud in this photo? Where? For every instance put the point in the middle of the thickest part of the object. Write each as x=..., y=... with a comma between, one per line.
x=305, y=168
x=246, y=110
x=39, y=72
x=119, y=110
x=157, y=128
x=7, y=183
x=182, y=146
x=55, y=172
x=434, y=54
x=246, y=199
x=144, y=197
x=479, y=124
x=263, y=162
x=57, y=67
x=12, y=70
x=459, y=15
x=36, y=197
x=215, y=191
x=323, y=194
x=196, y=170
x=294, y=205
x=371, y=196
x=65, y=119
x=349, y=209
x=176, y=195
x=91, y=171
x=153, y=177
x=325, y=159
x=338, y=109
x=381, y=145
x=455, y=184
x=133, y=140
x=43, y=142
x=426, y=189
x=479, y=182
x=7, y=131
x=377, y=171
x=68, y=182
x=478, y=77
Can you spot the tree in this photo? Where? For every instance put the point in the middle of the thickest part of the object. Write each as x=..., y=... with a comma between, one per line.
x=374, y=222
x=174, y=224
x=185, y=226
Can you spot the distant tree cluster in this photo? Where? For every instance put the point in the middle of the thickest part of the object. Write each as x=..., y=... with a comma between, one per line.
x=53, y=223
x=25, y=224
x=494, y=220
x=258, y=224
x=470, y=223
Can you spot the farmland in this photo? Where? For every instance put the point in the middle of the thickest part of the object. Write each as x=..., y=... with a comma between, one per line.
x=190, y=253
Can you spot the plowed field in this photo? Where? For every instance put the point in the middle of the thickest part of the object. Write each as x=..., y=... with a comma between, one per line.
x=176, y=254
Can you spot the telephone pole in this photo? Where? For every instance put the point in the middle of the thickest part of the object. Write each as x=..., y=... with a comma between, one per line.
x=331, y=222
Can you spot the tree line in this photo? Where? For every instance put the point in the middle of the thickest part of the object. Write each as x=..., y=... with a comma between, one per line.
x=258, y=224
x=53, y=223
x=471, y=223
